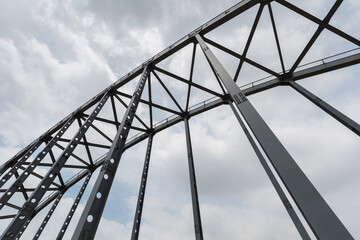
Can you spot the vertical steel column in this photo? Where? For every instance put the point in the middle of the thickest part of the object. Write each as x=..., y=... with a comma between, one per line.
x=47, y=218
x=346, y=121
x=299, y=226
x=316, y=211
x=140, y=201
x=73, y=208
x=90, y=218
x=24, y=215
x=193, y=186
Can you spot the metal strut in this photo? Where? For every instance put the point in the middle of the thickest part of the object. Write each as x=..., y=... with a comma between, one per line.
x=193, y=186
x=20, y=221
x=294, y=217
x=90, y=218
x=46, y=219
x=73, y=208
x=15, y=166
x=140, y=201
x=346, y=121
x=322, y=220
x=30, y=169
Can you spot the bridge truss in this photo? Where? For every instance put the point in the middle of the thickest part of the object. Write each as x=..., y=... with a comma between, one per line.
x=93, y=138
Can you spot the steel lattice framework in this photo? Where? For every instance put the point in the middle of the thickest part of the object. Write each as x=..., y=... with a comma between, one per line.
x=56, y=150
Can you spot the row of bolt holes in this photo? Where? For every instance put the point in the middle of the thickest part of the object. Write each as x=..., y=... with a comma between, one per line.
x=73, y=209
x=48, y=216
x=90, y=218
x=38, y=159
x=98, y=195
x=51, y=175
x=65, y=127
x=34, y=200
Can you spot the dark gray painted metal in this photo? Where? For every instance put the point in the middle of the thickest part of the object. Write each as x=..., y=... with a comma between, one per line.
x=168, y=91
x=90, y=218
x=322, y=220
x=327, y=67
x=17, y=164
x=190, y=83
x=28, y=208
x=13, y=165
x=69, y=184
x=190, y=77
x=241, y=57
x=321, y=27
x=12, y=161
x=276, y=37
x=141, y=195
x=73, y=208
x=346, y=121
x=134, y=141
x=247, y=45
x=86, y=145
x=258, y=87
x=294, y=217
x=193, y=185
x=47, y=218
x=207, y=27
x=312, y=71
x=318, y=21
x=30, y=169
x=150, y=103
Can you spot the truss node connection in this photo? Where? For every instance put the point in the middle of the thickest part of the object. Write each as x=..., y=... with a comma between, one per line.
x=90, y=142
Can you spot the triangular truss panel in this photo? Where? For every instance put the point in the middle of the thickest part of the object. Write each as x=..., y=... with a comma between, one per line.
x=252, y=47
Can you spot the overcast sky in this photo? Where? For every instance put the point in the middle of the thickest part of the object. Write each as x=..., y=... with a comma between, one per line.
x=55, y=55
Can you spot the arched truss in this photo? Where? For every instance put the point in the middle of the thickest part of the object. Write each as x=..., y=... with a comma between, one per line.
x=96, y=134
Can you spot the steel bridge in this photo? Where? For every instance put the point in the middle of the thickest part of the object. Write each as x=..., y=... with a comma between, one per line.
x=65, y=154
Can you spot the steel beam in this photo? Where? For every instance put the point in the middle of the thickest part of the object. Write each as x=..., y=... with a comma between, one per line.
x=90, y=218
x=276, y=37
x=320, y=28
x=253, y=89
x=190, y=77
x=24, y=215
x=290, y=210
x=73, y=208
x=248, y=42
x=15, y=164
x=30, y=169
x=318, y=21
x=342, y=118
x=193, y=185
x=323, y=221
x=312, y=71
x=141, y=195
x=47, y=217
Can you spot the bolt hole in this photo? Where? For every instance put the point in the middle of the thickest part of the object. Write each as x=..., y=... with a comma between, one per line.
x=98, y=195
